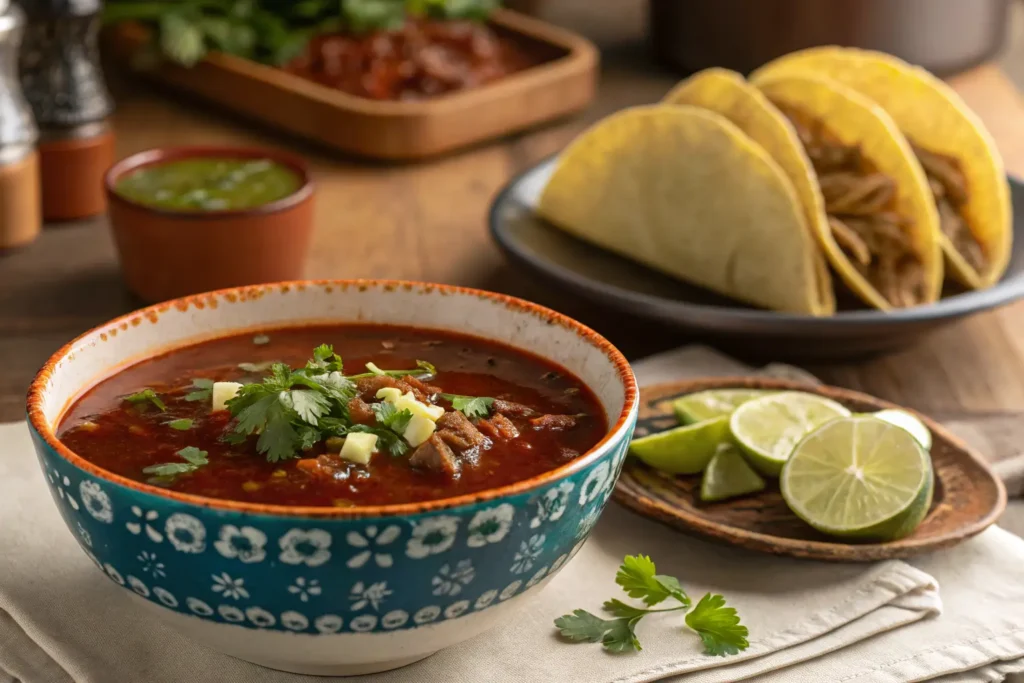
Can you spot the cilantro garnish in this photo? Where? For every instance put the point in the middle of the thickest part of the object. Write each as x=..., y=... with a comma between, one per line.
x=471, y=406
x=202, y=390
x=718, y=626
x=391, y=417
x=182, y=425
x=423, y=370
x=166, y=473
x=293, y=409
x=146, y=395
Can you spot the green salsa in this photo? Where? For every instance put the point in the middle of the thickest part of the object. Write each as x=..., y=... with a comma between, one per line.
x=210, y=184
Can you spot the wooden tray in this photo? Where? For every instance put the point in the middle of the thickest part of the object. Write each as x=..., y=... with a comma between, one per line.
x=968, y=496
x=565, y=82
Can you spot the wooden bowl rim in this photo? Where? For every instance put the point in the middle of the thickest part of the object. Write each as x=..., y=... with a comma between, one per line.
x=687, y=520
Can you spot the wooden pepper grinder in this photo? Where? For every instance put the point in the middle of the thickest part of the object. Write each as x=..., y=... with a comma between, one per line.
x=19, y=163
x=63, y=82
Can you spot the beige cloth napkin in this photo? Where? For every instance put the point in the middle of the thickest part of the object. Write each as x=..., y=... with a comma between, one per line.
x=61, y=621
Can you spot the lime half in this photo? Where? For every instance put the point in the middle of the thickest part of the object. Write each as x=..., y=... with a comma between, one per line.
x=902, y=418
x=683, y=450
x=768, y=428
x=728, y=475
x=713, y=403
x=859, y=477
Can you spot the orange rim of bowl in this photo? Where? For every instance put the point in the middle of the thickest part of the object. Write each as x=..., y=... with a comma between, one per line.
x=616, y=431
x=159, y=155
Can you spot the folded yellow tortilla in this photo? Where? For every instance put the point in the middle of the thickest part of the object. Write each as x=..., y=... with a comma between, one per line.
x=727, y=93
x=933, y=117
x=684, y=191
x=852, y=118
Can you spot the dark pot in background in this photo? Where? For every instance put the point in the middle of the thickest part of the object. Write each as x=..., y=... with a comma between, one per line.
x=944, y=36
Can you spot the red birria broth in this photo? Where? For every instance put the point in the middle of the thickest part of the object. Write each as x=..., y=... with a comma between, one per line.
x=554, y=418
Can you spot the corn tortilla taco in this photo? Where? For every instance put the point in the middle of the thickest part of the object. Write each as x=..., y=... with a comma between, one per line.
x=659, y=185
x=726, y=93
x=864, y=199
x=963, y=165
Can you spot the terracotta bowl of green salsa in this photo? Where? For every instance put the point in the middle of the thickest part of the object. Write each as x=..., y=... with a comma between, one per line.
x=195, y=219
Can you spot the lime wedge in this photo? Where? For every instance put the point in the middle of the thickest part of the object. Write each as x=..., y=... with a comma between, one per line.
x=859, y=477
x=713, y=403
x=682, y=450
x=728, y=476
x=902, y=418
x=768, y=428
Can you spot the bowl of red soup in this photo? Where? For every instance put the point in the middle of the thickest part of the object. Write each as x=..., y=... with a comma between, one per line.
x=196, y=219
x=333, y=477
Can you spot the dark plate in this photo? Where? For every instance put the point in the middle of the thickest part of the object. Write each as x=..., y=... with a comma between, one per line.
x=619, y=283
x=968, y=496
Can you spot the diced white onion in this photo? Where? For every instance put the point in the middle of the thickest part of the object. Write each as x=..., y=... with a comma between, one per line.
x=222, y=393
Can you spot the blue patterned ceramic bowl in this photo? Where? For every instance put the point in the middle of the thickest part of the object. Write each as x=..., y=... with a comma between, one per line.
x=328, y=590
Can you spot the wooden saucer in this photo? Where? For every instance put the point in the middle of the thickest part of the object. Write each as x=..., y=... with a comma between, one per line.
x=968, y=496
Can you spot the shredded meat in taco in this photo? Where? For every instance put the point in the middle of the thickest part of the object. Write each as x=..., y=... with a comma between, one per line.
x=860, y=203
x=949, y=186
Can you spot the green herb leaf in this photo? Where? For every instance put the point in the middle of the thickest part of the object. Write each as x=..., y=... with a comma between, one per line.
x=391, y=417
x=310, y=405
x=261, y=340
x=325, y=360
x=308, y=437
x=637, y=577
x=278, y=440
x=181, y=39
x=292, y=410
x=145, y=395
x=718, y=626
x=203, y=390
x=182, y=425
x=170, y=469
x=423, y=370
x=471, y=406
x=371, y=15
x=165, y=474
x=386, y=439
x=617, y=635
x=617, y=608
x=193, y=455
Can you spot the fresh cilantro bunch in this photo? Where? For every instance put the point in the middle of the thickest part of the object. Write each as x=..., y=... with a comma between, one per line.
x=718, y=626
x=271, y=31
x=292, y=410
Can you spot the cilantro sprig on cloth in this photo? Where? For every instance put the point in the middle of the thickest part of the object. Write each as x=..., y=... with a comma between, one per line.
x=718, y=626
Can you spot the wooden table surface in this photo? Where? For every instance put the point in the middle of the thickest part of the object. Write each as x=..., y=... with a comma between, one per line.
x=427, y=222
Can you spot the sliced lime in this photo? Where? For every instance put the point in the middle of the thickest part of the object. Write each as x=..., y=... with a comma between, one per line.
x=902, y=418
x=768, y=428
x=728, y=475
x=859, y=477
x=713, y=403
x=682, y=450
